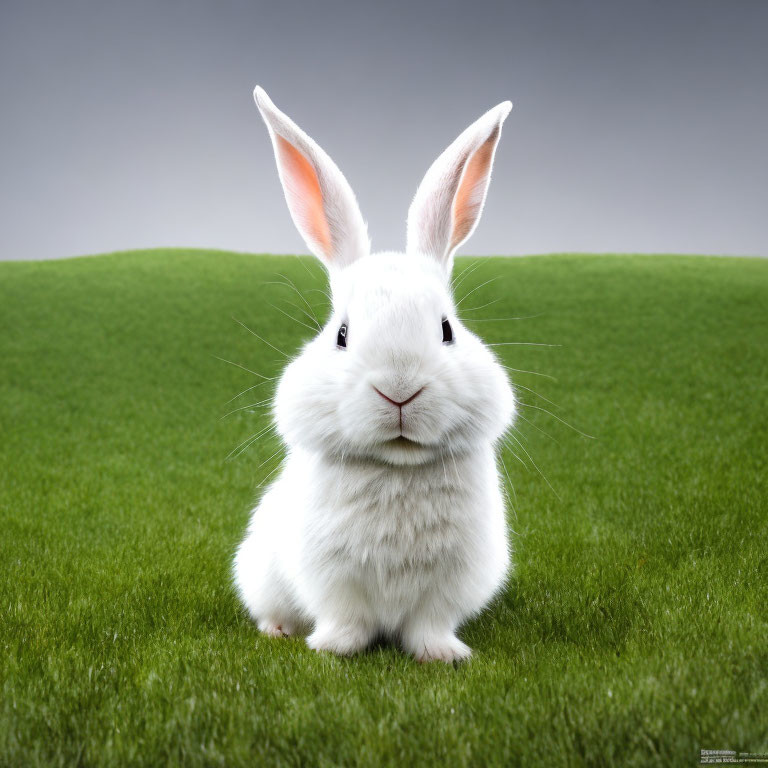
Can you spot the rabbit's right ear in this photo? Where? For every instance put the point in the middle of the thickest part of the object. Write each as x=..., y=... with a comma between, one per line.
x=321, y=202
x=450, y=199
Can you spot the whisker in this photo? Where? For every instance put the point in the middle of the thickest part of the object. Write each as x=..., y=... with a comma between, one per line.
x=295, y=319
x=239, y=394
x=536, y=426
x=534, y=392
x=304, y=264
x=522, y=370
x=482, y=306
x=509, y=501
x=272, y=472
x=270, y=458
x=304, y=312
x=260, y=338
x=555, y=416
x=237, y=365
x=502, y=319
x=473, y=265
x=312, y=316
x=521, y=344
x=301, y=295
x=262, y=404
x=320, y=290
x=249, y=441
x=535, y=465
x=511, y=450
x=464, y=274
x=476, y=288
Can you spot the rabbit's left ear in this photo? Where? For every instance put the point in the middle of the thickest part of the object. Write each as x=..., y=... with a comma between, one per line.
x=450, y=199
x=321, y=202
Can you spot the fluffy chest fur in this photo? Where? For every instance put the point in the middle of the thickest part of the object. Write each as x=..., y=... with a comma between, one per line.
x=387, y=535
x=392, y=518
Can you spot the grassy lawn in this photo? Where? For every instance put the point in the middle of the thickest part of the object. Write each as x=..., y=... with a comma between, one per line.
x=635, y=630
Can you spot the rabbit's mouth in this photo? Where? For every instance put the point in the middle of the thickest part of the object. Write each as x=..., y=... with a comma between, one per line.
x=405, y=441
x=402, y=450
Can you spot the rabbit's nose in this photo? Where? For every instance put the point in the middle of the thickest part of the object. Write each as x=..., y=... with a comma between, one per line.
x=399, y=403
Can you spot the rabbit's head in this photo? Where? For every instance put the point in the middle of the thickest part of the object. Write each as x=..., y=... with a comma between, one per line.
x=394, y=375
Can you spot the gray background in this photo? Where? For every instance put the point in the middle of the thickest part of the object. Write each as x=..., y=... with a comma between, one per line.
x=638, y=126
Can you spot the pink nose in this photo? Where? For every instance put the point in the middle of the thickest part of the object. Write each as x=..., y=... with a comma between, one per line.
x=400, y=403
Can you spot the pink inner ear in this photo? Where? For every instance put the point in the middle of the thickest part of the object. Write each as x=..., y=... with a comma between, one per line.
x=305, y=198
x=471, y=191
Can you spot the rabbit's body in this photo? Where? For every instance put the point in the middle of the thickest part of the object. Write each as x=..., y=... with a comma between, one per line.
x=387, y=517
x=362, y=549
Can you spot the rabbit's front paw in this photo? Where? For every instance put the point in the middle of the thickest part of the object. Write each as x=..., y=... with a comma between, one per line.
x=447, y=648
x=342, y=639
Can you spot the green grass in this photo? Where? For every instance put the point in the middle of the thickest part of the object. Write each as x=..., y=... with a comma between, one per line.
x=634, y=631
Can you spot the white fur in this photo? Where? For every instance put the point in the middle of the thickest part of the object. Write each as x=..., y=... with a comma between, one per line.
x=364, y=533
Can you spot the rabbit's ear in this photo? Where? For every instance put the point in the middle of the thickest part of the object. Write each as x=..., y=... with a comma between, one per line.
x=450, y=199
x=321, y=202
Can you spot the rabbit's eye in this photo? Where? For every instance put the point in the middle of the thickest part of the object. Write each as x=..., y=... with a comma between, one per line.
x=341, y=339
x=447, y=332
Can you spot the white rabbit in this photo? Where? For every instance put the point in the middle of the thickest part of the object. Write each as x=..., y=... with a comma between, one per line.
x=387, y=518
